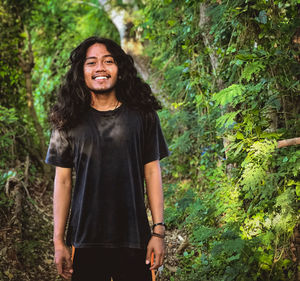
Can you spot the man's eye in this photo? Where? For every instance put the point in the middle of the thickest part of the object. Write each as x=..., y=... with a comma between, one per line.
x=90, y=63
x=109, y=61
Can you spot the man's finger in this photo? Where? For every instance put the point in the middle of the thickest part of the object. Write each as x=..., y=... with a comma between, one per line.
x=66, y=276
x=161, y=260
x=156, y=264
x=69, y=265
x=59, y=266
x=148, y=255
x=67, y=271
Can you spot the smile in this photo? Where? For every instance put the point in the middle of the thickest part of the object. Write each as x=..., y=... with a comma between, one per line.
x=101, y=77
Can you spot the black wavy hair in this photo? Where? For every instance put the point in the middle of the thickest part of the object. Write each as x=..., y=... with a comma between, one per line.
x=74, y=98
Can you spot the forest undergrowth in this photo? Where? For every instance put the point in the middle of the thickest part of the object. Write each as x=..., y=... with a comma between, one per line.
x=26, y=230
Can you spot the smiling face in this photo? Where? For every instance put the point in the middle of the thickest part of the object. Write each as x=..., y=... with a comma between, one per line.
x=100, y=70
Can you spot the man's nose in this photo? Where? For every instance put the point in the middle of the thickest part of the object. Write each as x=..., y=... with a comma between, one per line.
x=100, y=66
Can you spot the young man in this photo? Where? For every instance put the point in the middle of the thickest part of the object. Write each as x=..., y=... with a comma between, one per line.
x=105, y=127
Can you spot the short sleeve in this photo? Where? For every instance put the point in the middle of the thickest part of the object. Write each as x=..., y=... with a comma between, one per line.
x=59, y=150
x=155, y=146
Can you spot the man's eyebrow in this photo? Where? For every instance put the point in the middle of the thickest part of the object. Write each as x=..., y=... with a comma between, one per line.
x=105, y=56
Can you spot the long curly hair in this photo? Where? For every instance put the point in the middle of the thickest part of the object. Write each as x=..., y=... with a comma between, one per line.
x=74, y=98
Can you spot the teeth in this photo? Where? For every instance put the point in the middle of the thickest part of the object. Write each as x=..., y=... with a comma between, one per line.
x=100, y=78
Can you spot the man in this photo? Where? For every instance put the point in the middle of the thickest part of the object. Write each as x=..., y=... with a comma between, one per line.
x=105, y=128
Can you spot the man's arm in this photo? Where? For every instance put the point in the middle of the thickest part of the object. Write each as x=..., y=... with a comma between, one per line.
x=61, y=206
x=156, y=201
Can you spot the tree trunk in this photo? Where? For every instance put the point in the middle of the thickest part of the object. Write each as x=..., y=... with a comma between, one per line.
x=27, y=66
x=204, y=22
x=33, y=115
x=207, y=39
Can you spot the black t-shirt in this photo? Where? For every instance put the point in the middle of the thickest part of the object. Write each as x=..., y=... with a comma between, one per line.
x=108, y=150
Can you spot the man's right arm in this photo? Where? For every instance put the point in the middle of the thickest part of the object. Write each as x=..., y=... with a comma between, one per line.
x=61, y=206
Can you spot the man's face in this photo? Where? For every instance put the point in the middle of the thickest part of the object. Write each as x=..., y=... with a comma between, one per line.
x=100, y=70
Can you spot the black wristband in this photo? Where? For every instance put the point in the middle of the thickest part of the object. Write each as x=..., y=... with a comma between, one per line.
x=162, y=236
x=159, y=223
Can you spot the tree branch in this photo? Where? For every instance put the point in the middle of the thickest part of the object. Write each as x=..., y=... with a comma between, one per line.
x=288, y=142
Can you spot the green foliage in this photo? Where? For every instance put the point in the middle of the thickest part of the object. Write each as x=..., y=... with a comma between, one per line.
x=231, y=95
x=222, y=126
x=255, y=169
x=177, y=207
x=8, y=123
x=10, y=73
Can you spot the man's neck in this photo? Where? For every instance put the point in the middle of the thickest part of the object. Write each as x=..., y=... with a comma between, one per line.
x=104, y=102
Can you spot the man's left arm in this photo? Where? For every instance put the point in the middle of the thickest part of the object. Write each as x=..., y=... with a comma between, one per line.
x=156, y=200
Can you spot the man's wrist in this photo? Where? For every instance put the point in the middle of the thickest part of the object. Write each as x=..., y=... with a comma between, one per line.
x=58, y=242
x=159, y=229
x=161, y=236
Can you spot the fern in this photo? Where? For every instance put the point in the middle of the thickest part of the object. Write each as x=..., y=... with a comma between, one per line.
x=251, y=69
x=230, y=95
x=255, y=166
x=227, y=120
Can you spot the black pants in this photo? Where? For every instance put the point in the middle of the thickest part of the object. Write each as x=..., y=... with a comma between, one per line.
x=102, y=264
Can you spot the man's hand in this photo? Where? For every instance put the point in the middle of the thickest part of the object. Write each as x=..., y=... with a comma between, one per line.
x=61, y=205
x=156, y=245
x=63, y=261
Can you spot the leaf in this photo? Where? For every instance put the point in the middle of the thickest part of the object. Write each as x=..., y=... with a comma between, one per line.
x=171, y=22
x=298, y=189
x=251, y=69
x=245, y=56
x=239, y=148
x=23, y=34
x=239, y=136
x=9, y=275
x=233, y=258
x=262, y=17
x=227, y=120
x=233, y=94
x=48, y=261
